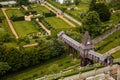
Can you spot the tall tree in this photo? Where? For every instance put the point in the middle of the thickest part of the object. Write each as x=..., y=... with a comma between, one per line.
x=92, y=23
x=102, y=10
x=115, y=3
x=4, y=67
x=92, y=5
x=76, y=2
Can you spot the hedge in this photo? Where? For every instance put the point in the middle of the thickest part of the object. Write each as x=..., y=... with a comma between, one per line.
x=46, y=23
x=49, y=14
x=30, y=11
x=17, y=18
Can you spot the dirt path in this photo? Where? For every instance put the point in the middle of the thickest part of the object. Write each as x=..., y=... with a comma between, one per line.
x=60, y=16
x=48, y=31
x=9, y=23
x=113, y=50
x=30, y=45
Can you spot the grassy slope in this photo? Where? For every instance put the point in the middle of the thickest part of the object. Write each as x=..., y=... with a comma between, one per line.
x=109, y=43
x=39, y=71
x=116, y=54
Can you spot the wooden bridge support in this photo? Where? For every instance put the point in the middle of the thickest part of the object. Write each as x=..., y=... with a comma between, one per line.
x=71, y=51
x=85, y=61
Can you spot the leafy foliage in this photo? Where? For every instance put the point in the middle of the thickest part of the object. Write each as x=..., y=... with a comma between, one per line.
x=101, y=9
x=76, y=2
x=4, y=67
x=22, y=58
x=17, y=18
x=92, y=23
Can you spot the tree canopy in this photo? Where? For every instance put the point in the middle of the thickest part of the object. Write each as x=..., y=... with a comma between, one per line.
x=101, y=9
x=92, y=23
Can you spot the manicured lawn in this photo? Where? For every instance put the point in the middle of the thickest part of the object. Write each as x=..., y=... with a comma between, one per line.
x=16, y=12
x=24, y=27
x=40, y=9
x=57, y=23
x=109, y=43
x=50, y=67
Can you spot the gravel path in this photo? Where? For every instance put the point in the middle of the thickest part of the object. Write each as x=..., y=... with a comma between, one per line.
x=10, y=24
x=48, y=31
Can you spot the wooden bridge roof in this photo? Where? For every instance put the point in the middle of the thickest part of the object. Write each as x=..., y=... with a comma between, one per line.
x=70, y=41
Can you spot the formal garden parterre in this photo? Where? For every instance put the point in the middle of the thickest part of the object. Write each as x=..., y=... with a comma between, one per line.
x=49, y=48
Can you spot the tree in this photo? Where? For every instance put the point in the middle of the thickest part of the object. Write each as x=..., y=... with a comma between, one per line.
x=67, y=2
x=13, y=58
x=102, y=10
x=115, y=3
x=92, y=5
x=23, y=2
x=4, y=67
x=92, y=23
x=76, y=2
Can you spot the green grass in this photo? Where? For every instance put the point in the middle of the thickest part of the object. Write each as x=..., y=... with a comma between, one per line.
x=82, y=7
x=24, y=27
x=109, y=43
x=11, y=12
x=116, y=54
x=40, y=9
x=47, y=68
x=57, y=23
x=11, y=44
x=4, y=25
x=115, y=19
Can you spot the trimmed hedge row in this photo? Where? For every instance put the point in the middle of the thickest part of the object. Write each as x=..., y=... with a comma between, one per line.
x=39, y=27
x=17, y=18
x=30, y=12
x=46, y=23
x=49, y=14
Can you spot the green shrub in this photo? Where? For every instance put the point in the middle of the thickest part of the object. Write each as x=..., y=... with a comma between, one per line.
x=17, y=18
x=30, y=11
x=49, y=14
x=46, y=23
